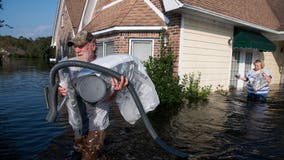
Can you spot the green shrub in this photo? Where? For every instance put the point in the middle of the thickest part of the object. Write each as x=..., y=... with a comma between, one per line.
x=192, y=90
x=160, y=71
x=170, y=91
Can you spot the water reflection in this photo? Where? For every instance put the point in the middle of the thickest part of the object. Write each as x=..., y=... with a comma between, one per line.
x=23, y=128
x=231, y=128
x=9, y=65
x=226, y=127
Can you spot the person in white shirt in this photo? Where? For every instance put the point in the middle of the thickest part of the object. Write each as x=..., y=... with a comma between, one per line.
x=258, y=80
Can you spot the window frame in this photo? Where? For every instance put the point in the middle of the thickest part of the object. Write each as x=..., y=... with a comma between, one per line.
x=104, y=45
x=131, y=40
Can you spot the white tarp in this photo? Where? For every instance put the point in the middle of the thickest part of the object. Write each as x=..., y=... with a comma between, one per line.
x=134, y=70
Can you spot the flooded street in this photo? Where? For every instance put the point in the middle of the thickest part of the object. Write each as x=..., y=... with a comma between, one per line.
x=226, y=127
x=231, y=128
x=23, y=129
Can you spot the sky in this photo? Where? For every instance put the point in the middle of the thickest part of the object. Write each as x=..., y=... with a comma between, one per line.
x=29, y=18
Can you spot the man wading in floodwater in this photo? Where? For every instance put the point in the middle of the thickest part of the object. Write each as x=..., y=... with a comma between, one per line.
x=94, y=116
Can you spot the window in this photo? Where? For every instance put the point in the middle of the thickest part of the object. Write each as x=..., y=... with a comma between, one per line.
x=235, y=68
x=241, y=63
x=248, y=61
x=105, y=48
x=141, y=48
x=100, y=50
x=109, y=48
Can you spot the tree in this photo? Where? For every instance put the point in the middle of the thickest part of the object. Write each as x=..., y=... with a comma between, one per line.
x=2, y=22
x=27, y=47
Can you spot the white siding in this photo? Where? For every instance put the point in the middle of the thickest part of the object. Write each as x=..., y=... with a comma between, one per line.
x=206, y=50
x=272, y=61
x=272, y=66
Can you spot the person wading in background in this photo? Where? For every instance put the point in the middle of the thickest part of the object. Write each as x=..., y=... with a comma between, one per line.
x=258, y=80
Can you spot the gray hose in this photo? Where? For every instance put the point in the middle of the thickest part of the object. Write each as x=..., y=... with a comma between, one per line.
x=108, y=72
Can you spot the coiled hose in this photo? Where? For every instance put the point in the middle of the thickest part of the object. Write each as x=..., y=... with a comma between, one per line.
x=108, y=72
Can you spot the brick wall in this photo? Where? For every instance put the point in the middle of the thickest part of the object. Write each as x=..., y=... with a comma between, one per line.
x=64, y=35
x=174, y=36
x=121, y=40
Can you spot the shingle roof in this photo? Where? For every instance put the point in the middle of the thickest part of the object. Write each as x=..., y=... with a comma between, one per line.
x=124, y=13
x=267, y=13
x=277, y=7
x=75, y=9
x=101, y=4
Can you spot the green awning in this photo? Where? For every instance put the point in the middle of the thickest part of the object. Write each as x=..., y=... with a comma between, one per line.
x=246, y=39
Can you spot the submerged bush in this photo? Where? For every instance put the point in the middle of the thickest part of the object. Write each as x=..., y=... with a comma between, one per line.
x=167, y=86
x=170, y=91
x=192, y=90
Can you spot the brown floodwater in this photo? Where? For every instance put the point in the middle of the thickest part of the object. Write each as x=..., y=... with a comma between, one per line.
x=225, y=127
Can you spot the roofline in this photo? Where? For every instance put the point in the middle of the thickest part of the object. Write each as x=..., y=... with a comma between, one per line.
x=157, y=11
x=56, y=22
x=177, y=5
x=84, y=15
x=172, y=5
x=130, y=28
x=111, y=4
x=215, y=14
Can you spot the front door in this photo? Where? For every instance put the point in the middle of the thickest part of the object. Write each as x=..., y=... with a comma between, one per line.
x=241, y=64
x=234, y=68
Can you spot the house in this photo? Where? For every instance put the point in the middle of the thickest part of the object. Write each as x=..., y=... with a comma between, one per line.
x=217, y=38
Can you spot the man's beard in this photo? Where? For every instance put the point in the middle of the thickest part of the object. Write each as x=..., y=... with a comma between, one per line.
x=86, y=57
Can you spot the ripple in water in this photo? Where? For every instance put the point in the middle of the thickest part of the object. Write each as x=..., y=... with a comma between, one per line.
x=23, y=129
x=226, y=127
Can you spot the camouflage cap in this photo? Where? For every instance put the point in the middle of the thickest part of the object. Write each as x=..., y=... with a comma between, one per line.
x=81, y=38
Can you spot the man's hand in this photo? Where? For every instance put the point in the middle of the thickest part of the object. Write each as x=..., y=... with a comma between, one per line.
x=117, y=86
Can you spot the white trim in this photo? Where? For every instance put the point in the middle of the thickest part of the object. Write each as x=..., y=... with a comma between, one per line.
x=157, y=11
x=87, y=15
x=130, y=28
x=181, y=43
x=242, y=62
x=56, y=23
x=210, y=21
x=130, y=49
x=62, y=21
x=175, y=4
x=215, y=14
x=170, y=5
x=82, y=17
x=105, y=40
x=104, y=45
x=111, y=4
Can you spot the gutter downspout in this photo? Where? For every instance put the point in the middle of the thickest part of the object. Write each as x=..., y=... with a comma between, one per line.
x=129, y=28
x=172, y=5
